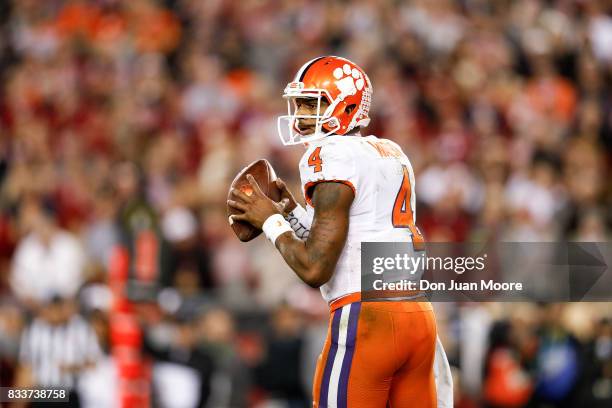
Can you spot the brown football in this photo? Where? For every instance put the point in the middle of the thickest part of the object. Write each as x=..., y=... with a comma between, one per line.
x=264, y=174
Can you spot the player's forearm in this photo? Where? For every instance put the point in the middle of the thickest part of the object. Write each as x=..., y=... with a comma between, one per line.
x=314, y=260
x=307, y=262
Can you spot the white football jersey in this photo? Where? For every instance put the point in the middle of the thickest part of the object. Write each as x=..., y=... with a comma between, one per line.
x=382, y=178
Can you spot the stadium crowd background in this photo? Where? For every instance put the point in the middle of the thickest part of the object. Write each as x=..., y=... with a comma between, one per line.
x=114, y=112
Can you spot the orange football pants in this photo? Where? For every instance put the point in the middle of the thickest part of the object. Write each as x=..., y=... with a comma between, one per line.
x=377, y=355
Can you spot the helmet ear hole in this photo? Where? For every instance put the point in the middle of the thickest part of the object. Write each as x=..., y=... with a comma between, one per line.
x=350, y=109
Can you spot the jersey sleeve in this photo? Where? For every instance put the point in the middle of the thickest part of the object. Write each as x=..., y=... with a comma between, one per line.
x=327, y=163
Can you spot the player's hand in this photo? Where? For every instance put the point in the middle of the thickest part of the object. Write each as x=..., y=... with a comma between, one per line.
x=256, y=207
x=286, y=194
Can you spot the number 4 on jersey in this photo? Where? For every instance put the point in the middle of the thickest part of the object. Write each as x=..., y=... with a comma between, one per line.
x=402, y=216
x=315, y=160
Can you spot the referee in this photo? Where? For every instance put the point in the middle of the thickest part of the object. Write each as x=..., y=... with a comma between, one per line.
x=55, y=348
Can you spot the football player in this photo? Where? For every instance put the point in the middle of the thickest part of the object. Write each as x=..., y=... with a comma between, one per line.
x=357, y=188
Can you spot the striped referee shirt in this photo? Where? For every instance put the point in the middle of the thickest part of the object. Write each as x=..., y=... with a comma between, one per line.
x=48, y=349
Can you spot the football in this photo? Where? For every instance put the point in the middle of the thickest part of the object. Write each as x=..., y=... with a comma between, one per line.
x=264, y=174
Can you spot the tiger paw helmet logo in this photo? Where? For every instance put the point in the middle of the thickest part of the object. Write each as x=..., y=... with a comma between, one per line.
x=348, y=80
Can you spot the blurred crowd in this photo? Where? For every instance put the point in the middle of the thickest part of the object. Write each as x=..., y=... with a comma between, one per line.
x=118, y=117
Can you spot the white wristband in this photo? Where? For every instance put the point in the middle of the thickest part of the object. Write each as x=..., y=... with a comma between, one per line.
x=274, y=226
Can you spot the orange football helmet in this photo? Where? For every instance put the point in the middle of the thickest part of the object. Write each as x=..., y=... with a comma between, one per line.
x=343, y=85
